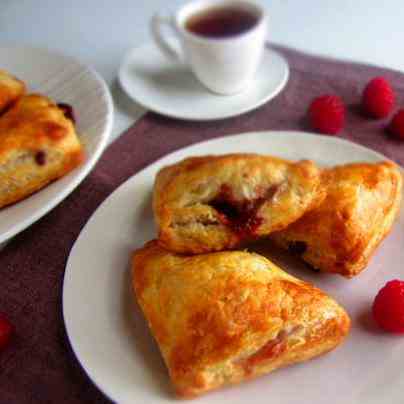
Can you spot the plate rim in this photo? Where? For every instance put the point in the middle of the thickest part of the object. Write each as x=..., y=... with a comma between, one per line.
x=152, y=107
x=89, y=162
x=67, y=273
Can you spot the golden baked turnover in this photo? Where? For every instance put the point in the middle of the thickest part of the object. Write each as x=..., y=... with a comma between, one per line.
x=38, y=144
x=212, y=203
x=224, y=317
x=342, y=233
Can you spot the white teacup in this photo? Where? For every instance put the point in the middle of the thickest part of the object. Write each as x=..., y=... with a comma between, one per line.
x=225, y=64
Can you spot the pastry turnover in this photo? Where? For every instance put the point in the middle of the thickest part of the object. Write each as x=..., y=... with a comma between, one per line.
x=225, y=317
x=212, y=203
x=37, y=145
x=358, y=212
x=11, y=89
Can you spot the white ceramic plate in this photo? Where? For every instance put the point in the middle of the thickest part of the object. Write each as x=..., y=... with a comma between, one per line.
x=64, y=80
x=110, y=337
x=171, y=89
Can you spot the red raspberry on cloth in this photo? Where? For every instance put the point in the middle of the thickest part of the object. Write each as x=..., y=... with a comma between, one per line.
x=327, y=114
x=388, y=307
x=6, y=331
x=378, y=98
x=396, y=127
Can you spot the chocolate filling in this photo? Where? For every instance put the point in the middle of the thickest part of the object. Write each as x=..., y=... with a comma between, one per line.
x=67, y=110
x=241, y=215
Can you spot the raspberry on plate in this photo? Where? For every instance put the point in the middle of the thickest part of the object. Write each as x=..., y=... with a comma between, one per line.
x=327, y=114
x=378, y=98
x=396, y=127
x=6, y=331
x=388, y=307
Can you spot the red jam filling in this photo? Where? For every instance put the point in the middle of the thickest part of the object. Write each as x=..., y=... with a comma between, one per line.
x=297, y=247
x=269, y=351
x=40, y=158
x=67, y=110
x=241, y=215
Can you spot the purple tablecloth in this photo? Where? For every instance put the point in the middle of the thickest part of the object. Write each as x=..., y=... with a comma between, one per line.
x=38, y=366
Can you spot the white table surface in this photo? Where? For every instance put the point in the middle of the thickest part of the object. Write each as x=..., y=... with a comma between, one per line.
x=100, y=32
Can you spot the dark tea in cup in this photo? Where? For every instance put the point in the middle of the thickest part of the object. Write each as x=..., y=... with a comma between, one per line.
x=221, y=22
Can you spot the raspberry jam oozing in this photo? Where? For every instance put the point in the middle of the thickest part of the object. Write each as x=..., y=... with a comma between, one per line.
x=40, y=158
x=297, y=247
x=241, y=215
x=270, y=351
x=67, y=110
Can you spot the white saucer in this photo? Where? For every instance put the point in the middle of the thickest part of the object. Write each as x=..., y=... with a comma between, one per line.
x=171, y=89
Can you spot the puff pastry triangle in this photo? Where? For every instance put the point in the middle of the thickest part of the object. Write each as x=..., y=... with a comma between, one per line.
x=38, y=144
x=212, y=203
x=225, y=317
x=359, y=210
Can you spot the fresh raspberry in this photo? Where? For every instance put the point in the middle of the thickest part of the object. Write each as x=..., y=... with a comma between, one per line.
x=388, y=307
x=327, y=114
x=378, y=98
x=396, y=127
x=6, y=331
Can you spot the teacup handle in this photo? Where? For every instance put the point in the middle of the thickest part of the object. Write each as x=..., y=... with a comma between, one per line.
x=157, y=22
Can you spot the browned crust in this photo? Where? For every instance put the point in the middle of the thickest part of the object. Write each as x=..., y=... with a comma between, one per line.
x=182, y=192
x=358, y=212
x=213, y=316
x=35, y=124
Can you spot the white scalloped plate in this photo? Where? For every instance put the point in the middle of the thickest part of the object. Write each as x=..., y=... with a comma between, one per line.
x=109, y=334
x=64, y=79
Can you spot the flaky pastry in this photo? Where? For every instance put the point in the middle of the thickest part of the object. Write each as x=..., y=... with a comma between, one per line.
x=212, y=203
x=11, y=89
x=224, y=317
x=38, y=144
x=342, y=233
